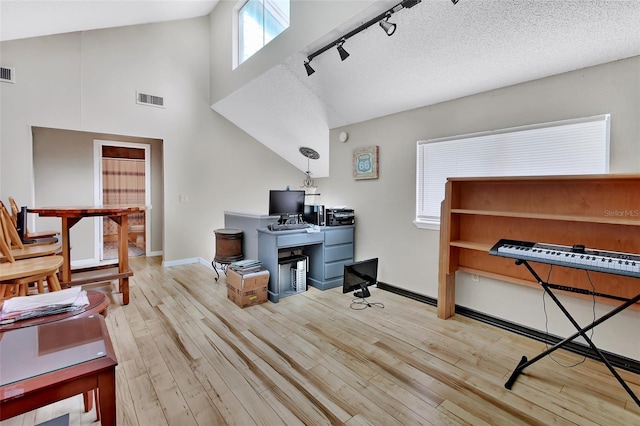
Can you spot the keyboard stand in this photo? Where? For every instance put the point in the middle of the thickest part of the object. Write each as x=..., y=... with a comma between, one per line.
x=582, y=331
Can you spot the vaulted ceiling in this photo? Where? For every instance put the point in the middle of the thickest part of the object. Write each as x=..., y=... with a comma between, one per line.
x=440, y=51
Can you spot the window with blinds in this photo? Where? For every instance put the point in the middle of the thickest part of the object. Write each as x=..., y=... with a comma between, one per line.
x=568, y=147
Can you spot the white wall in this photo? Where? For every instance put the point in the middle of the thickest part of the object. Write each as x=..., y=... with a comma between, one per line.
x=385, y=208
x=87, y=81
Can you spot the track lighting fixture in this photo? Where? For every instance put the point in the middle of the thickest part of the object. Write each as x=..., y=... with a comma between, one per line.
x=308, y=68
x=388, y=27
x=382, y=19
x=343, y=53
x=454, y=1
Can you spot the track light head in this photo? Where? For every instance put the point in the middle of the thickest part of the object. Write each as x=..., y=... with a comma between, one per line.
x=455, y=1
x=310, y=70
x=382, y=19
x=388, y=27
x=407, y=4
x=343, y=53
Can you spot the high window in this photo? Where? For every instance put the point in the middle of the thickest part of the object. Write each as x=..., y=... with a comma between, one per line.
x=259, y=22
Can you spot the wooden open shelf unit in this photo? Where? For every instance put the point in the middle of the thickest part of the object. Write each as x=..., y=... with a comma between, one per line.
x=599, y=211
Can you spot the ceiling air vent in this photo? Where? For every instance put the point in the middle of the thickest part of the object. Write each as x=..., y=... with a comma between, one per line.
x=7, y=75
x=150, y=100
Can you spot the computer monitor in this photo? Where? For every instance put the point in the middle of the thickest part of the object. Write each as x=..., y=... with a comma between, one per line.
x=286, y=203
x=360, y=275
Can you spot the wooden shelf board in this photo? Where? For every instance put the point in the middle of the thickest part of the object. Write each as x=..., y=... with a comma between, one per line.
x=97, y=275
x=566, y=218
x=471, y=245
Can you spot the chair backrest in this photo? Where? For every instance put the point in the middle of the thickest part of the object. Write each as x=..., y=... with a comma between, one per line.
x=19, y=218
x=14, y=211
x=11, y=236
x=21, y=223
x=5, y=248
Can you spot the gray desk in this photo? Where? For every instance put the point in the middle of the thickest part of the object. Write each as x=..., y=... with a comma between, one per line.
x=248, y=223
x=328, y=250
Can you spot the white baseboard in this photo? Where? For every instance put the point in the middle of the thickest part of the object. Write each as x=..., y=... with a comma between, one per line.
x=189, y=261
x=206, y=263
x=170, y=263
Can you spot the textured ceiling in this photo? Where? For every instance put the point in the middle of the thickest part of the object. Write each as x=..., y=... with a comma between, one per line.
x=439, y=52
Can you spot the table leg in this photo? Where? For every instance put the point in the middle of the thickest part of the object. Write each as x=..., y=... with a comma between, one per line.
x=123, y=256
x=87, y=399
x=66, y=249
x=52, y=283
x=107, y=396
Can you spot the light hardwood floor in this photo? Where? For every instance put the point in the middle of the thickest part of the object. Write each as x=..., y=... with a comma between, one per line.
x=188, y=356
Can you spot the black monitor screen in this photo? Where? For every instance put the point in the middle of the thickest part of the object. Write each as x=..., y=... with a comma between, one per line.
x=360, y=275
x=285, y=202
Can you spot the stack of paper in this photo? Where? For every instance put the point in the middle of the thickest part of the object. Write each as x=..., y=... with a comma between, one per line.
x=25, y=307
x=246, y=266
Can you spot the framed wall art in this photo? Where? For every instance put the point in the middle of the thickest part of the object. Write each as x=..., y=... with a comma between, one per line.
x=365, y=162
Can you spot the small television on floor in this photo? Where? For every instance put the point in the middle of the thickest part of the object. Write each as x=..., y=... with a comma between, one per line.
x=288, y=204
x=358, y=276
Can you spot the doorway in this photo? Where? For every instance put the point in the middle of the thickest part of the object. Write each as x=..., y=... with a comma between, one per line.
x=123, y=177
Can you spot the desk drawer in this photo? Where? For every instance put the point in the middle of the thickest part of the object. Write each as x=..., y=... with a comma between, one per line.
x=343, y=251
x=334, y=270
x=338, y=235
x=300, y=239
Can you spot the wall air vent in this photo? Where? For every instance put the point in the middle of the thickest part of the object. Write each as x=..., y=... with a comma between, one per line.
x=7, y=75
x=150, y=100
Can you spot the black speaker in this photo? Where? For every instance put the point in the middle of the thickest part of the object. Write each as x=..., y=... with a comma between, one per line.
x=21, y=222
x=314, y=214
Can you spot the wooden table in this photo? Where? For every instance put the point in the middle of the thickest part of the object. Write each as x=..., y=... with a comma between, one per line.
x=35, y=375
x=72, y=215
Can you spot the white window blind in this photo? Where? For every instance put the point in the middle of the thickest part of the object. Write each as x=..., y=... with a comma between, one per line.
x=568, y=147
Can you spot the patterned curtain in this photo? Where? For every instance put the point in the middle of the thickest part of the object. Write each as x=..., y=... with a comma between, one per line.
x=122, y=183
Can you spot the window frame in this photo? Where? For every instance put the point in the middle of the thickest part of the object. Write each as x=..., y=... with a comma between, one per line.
x=268, y=6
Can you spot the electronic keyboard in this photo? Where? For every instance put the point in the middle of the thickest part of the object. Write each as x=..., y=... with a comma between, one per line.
x=576, y=256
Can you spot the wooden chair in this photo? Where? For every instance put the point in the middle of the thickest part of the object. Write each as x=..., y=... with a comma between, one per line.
x=17, y=248
x=16, y=275
x=9, y=231
x=28, y=235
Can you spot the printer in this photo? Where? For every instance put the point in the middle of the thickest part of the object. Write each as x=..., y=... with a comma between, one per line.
x=340, y=217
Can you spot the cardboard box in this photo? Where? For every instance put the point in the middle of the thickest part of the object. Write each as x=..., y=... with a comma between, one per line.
x=247, y=289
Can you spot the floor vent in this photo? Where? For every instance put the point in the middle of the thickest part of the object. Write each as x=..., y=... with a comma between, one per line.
x=150, y=100
x=7, y=75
